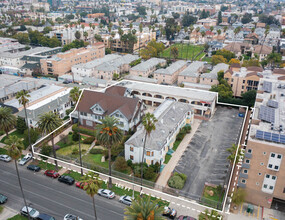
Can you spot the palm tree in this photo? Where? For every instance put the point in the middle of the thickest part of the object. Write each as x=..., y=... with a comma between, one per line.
x=47, y=123
x=22, y=97
x=148, y=122
x=7, y=120
x=232, y=155
x=14, y=147
x=109, y=135
x=93, y=184
x=75, y=95
x=144, y=209
x=85, y=34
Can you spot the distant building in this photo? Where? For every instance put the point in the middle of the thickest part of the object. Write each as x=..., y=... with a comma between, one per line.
x=147, y=68
x=61, y=63
x=211, y=78
x=191, y=73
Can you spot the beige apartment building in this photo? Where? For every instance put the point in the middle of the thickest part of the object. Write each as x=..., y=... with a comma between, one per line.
x=191, y=73
x=262, y=172
x=169, y=75
x=116, y=44
x=61, y=63
x=146, y=68
x=243, y=79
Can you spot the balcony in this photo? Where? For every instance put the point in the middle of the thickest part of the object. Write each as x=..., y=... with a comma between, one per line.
x=245, y=165
x=243, y=175
x=248, y=155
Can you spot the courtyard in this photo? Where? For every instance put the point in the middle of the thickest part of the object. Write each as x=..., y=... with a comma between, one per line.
x=205, y=158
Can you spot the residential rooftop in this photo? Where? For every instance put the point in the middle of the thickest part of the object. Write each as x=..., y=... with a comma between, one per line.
x=174, y=67
x=144, y=66
x=193, y=69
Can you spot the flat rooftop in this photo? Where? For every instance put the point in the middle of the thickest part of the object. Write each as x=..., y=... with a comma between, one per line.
x=194, y=94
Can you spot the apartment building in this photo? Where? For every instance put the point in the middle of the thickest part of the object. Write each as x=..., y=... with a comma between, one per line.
x=243, y=79
x=169, y=75
x=171, y=117
x=61, y=63
x=211, y=78
x=147, y=68
x=263, y=173
x=191, y=73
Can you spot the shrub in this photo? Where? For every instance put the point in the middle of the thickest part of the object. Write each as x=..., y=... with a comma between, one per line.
x=34, y=133
x=149, y=174
x=83, y=130
x=96, y=151
x=75, y=151
x=70, y=133
x=121, y=164
x=21, y=125
x=68, y=111
x=130, y=163
x=75, y=136
x=177, y=181
x=46, y=150
x=83, y=151
x=89, y=140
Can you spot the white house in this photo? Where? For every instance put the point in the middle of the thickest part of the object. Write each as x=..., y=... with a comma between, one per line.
x=171, y=116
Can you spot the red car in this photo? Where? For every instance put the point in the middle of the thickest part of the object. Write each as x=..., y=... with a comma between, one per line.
x=51, y=173
x=80, y=184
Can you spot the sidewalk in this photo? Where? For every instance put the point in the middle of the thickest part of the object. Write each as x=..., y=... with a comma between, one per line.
x=167, y=170
x=1, y=137
x=8, y=213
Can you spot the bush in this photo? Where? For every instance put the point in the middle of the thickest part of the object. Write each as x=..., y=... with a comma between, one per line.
x=96, y=151
x=68, y=111
x=177, y=181
x=75, y=151
x=83, y=130
x=46, y=150
x=130, y=163
x=75, y=136
x=34, y=133
x=89, y=140
x=121, y=164
x=21, y=125
x=149, y=174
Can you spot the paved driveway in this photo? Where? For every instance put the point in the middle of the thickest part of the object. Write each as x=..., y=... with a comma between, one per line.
x=205, y=157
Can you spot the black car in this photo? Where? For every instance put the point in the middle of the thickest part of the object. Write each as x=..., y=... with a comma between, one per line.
x=34, y=168
x=3, y=199
x=45, y=217
x=66, y=179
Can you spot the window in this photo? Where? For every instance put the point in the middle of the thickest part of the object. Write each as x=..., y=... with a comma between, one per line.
x=273, y=177
x=247, y=161
x=283, y=190
x=261, y=164
x=151, y=153
x=267, y=176
x=271, y=187
x=257, y=183
x=148, y=153
x=249, y=151
x=265, y=186
x=232, y=80
x=270, y=165
x=264, y=153
x=276, y=167
x=243, y=181
x=279, y=156
x=243, y=81
x=259, y=174
x=131, y=149
x=272, y=155
x=245, y=171
x=131, y=157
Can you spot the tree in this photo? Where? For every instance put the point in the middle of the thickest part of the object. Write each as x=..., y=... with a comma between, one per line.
x=207, y=215
x=23, y=38
x=47, y=123
x=233, y=60
x=77, y=35
x=7, y=120
x=109, y=135
x=75, y=96
x=247, y=17
x=141, y=10
x=108, y=51
x=153, y=49
x=218, y=59
x=226, y=54
x=21, y=125
x=140, y=27
x=219, y=31
x=144, y=209
x=239, y=196
x=31, y=135
x=98, y=37
x=93, y=184
x=175, y=15
x=14, y=147
x=121, y=164
x=85, y=34
x=170, y=28
x=174, y=52
x=204, y=14
x=249, y=97
x=188, y=20
x=23, y=99
x=220, y=19
x=232, y=150
x=148, y=122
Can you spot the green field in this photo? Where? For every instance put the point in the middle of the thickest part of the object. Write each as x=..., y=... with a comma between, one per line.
x=95, y=159
x=18, y=217
x=186, y=51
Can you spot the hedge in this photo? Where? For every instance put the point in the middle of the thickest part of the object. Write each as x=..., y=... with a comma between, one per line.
x=88, y=140
x=177, y=181
x=83, y=130
x=96, y=151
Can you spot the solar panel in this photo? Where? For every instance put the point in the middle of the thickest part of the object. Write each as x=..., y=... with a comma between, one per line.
x=267, y=86
x=272, y=103
x=266, y=114
x=276, y=137
x=268, y=136
x=259, y=134
x=282, y=139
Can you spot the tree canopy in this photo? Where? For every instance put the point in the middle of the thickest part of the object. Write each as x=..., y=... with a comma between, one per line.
x=188, y=20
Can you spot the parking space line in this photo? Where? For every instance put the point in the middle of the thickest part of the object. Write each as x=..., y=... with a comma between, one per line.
x=241, y=208
x=257, y=212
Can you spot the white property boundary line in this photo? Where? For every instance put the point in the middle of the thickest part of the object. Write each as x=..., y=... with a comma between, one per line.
x=134, y=184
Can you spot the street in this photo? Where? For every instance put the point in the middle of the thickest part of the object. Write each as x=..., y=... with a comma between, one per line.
x=49, y=196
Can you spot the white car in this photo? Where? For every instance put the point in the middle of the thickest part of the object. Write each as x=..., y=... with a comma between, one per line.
x=106, y=193
x=33, y=213
x=25, y=159
x=71, y=217
x=127, y=200
x=5, y=158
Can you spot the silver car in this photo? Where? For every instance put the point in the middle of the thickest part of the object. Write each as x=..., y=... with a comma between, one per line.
x=127, y=200
x=106, y=193
x=33, y=213
x=71, y=217
x=5, y=158
x=25, y=159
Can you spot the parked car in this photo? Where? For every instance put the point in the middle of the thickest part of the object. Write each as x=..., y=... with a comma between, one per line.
x=5, y=158
x=182, y=217
x=25, y=159
x=171, y=213
x=51, y=173
x=81, y=185
x=3, y=199
x=45, y=217
x=127, y=200
x=32, y=212
x=71, y=217
x=106, y=193
x=66, y=179
x=34, y=168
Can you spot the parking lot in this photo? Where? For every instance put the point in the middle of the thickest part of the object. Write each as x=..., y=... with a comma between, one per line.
x=205, y=159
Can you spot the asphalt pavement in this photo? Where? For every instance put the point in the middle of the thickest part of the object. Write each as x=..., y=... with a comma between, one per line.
x=49, y=196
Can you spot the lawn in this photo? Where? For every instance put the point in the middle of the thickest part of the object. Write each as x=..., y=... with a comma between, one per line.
x=207, y=59
x=186, y=51
x=18, y=217
x=16, y=133
x=3, y=151
x=74, y=175
x=45, y=166
x=1, y=209
x=95, y=159
x=67, y=151
x=167, y=158
x=213, y=200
